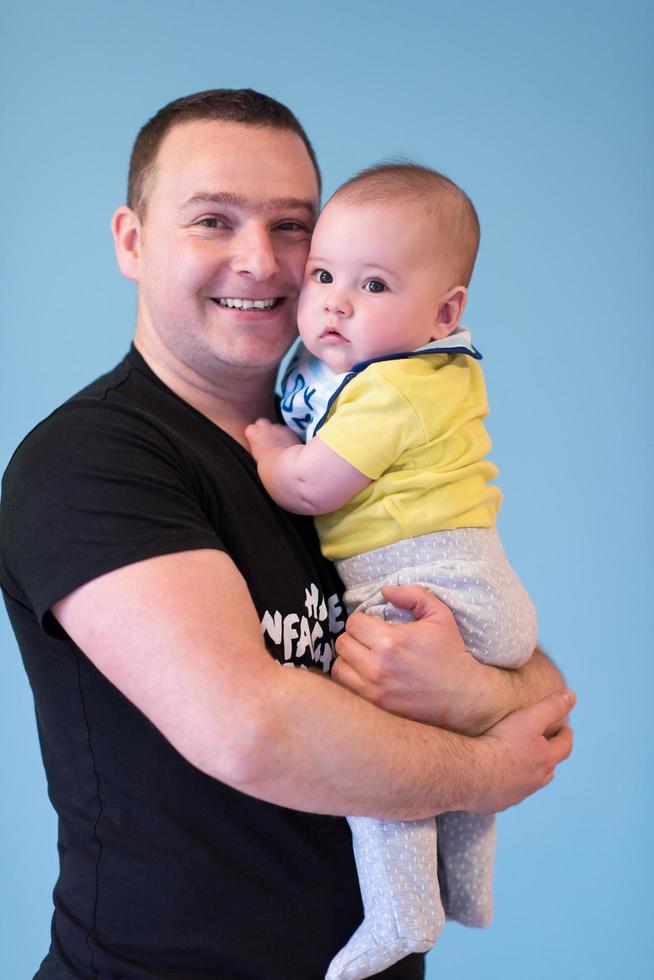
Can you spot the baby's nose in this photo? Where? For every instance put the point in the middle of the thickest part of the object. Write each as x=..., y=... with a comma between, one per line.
x=339, y=305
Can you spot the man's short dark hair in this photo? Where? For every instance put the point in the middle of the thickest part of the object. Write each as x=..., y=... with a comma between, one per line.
x=237, y=105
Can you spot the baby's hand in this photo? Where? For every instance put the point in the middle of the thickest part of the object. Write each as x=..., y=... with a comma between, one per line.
x=264, y=436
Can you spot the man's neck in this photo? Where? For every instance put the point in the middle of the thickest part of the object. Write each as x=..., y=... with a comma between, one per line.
x=231, y=400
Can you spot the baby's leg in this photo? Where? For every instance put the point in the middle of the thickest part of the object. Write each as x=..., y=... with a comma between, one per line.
x=466, y=851
x=468, y=570
x=397, y=867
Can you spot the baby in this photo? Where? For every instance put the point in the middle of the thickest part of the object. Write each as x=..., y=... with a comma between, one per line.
x=387, y=390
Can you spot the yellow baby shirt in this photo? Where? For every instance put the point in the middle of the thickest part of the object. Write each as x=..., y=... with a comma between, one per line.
x=414, y=426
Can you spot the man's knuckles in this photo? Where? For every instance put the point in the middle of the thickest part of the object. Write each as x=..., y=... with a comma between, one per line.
x=380, y=670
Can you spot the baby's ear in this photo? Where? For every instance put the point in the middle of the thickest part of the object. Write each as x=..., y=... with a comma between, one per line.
x=450, y=312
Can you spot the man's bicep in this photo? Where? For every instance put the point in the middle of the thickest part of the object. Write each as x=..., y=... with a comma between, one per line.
x=93, y=489
x=179, y=636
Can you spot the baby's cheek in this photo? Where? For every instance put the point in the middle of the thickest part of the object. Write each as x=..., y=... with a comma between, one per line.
x=306, y=308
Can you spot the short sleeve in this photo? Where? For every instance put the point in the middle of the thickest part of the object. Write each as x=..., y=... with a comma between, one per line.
x=94, y=488
x=373, y=423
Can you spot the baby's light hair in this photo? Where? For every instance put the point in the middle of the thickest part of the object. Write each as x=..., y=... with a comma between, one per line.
x=453, y=211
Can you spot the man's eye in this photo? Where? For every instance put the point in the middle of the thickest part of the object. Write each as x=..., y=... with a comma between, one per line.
x=323, y=276
x=211, y=223
x=291, y=226
x=375, y=286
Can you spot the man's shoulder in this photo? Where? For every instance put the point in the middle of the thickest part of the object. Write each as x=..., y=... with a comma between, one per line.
x=100, y=388
x=91, y=396
x=119, y=403
x=103, y=481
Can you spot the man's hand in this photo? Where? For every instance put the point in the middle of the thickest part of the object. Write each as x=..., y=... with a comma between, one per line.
x=524, y=758
x=265, y=437
x=419, y=670
x=422, y=671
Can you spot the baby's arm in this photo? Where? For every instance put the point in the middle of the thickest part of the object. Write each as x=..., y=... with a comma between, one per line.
x=310, y=479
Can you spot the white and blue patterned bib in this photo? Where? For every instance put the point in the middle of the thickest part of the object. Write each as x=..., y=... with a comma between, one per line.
x=307, y=386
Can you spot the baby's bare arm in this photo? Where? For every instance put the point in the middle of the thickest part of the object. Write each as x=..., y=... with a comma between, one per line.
x=310, y=479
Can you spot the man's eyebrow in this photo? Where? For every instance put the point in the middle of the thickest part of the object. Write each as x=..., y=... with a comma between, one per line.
x=226, y=199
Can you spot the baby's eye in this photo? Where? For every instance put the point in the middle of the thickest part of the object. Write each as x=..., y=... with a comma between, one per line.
x=321, y=275
x=375, y=286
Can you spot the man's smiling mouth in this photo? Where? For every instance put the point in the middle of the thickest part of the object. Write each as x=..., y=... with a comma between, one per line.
x=247, y=304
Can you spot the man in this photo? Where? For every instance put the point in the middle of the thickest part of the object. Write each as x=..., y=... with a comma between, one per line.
x=141, y=564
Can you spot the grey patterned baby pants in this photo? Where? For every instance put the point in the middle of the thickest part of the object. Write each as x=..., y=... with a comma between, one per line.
x=414, y=874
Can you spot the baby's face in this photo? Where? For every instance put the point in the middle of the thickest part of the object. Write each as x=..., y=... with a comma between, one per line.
x=373, y=284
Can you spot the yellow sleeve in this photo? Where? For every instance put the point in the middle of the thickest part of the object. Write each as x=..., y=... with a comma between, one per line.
x=372, y=423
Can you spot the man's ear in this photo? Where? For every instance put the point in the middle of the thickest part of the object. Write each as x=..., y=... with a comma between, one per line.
x=450, y=312
x=127, y=231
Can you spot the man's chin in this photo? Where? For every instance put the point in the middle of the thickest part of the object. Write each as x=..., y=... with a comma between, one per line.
x=254, y=354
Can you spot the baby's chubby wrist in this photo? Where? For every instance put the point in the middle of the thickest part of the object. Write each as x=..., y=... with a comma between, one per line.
x=265, y=437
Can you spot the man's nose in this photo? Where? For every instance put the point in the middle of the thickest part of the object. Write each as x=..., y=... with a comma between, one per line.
x=254, y=254
x=338, y=304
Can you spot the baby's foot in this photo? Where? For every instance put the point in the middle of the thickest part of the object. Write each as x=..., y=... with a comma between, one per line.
x=397, y=866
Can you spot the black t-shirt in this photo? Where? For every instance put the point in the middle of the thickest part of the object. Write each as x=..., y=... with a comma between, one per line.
x=166, y=872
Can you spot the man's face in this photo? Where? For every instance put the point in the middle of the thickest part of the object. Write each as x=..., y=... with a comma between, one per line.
x=374, y=283
x=223, y=245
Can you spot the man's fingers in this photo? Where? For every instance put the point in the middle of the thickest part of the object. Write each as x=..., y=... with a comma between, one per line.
x=417, y=599
x=551, y=710
x=561, y=744
x=352, y=652
x=346, y=676
x=367, y=630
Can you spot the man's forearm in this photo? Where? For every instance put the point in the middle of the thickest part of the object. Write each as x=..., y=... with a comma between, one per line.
x=355, y=759
x=321, y=749
x=187, y=650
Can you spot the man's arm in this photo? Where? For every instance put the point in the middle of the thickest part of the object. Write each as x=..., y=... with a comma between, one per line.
x=422, y=670
x=179, y=636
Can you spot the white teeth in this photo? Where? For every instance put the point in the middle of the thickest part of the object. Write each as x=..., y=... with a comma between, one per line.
x=248, y=304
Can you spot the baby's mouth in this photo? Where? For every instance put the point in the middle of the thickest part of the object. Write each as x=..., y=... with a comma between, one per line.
x=331, y=333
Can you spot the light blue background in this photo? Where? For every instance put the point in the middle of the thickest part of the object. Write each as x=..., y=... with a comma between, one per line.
x=543, y=113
